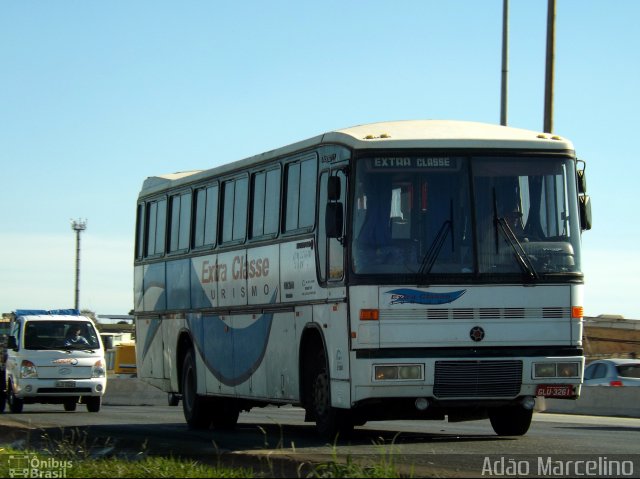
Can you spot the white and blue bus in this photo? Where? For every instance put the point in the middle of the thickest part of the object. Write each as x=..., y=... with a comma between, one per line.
x=411, y=269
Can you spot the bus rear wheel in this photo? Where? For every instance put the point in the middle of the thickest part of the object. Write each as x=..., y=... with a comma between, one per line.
x=330, y=421
x=511, y=420
x=196, y=409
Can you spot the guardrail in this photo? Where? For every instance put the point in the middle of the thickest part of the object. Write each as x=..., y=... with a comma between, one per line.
x=594, y=400
x=597, y=401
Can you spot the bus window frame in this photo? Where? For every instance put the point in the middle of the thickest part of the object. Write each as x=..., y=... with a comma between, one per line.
x=284, y=200
x=156, y=254
x=266, y=169
x=169, y=222
x=194, y=221
x=222, y=210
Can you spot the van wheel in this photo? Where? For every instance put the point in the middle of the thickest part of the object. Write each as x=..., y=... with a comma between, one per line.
x=70, y=404
x=93, y=403
x=330, y=421
x=511, y=420
x=15, y=404
x=196, y=408
x=3, y=395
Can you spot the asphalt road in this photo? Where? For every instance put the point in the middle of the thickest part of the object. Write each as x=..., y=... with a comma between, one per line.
x=280, y=436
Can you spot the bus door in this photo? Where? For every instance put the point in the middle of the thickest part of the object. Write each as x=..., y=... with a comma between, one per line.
x=333, y=315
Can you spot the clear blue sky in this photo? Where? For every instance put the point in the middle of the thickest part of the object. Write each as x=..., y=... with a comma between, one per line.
x=96, y=96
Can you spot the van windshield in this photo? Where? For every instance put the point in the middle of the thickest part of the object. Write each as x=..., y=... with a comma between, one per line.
x=60, y=335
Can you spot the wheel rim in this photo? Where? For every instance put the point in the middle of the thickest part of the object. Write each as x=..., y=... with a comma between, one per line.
x=187, y=392
x=321, y=394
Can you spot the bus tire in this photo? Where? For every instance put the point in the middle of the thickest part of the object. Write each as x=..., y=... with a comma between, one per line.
x=331, y=422
x=15, y=404
x=70, y=404
x=511, y=420
x=93, y=403
x=195, y=407
x=224, y=415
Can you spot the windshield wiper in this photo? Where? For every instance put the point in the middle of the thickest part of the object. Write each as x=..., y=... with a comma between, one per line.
x=520, y=254
x=436, y=245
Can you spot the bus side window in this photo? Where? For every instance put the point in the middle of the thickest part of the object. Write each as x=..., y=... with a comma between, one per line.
x=156, y=227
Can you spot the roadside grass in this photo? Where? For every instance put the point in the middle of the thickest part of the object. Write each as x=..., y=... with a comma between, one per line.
x=74, y=455
x=22, y=463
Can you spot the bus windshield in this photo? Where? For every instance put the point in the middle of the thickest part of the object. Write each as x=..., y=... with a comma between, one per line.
x=446, y=215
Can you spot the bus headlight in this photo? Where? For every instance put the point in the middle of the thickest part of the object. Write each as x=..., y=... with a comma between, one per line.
x=556, y=370
x=544, y=370
x=568, y=370
x=402, y=372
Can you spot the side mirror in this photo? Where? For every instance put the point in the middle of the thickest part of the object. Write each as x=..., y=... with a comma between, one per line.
x=333, y=188
x=582, y=178
x=585, y=212
x=334, y=216
x=12, y=343
x=582, y=182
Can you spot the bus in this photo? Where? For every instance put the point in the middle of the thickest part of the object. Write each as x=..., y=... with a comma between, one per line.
x=397, y=270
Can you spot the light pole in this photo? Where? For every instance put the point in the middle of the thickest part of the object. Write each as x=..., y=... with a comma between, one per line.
x=550, y=60
x=78, y=226
x=505, y=62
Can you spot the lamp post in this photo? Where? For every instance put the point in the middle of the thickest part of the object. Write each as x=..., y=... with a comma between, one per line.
x=505, y=62
x=550, y=60
x=78, y=226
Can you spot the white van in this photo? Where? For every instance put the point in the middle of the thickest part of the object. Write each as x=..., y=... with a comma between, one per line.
x=53, y=357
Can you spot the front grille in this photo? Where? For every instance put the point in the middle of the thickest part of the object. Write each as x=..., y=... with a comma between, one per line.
x=477, y=379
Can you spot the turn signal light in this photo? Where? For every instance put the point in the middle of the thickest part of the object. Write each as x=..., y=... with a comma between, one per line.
x=369, y=315
x=577, y=312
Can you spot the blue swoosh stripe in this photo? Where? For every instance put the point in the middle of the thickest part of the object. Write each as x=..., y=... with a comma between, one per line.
x=414, y=296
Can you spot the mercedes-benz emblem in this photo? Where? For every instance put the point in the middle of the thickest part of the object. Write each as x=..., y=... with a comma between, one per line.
x=476, y=333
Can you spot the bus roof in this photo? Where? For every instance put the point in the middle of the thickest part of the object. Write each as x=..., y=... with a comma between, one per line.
x=435, y=134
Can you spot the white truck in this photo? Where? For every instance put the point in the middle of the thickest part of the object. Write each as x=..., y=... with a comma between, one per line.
x=53, y=357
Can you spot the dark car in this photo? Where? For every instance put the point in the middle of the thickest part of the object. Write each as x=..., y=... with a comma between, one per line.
x=613, y=372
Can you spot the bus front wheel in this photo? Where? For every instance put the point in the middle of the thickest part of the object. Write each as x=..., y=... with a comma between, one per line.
x=330, y=421
x=511, y=420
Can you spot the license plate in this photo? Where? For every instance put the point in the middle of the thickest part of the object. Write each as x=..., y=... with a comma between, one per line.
x=555, y=391
x=65, y=384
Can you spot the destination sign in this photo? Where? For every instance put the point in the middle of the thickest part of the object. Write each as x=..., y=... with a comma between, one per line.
x=408, y=162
